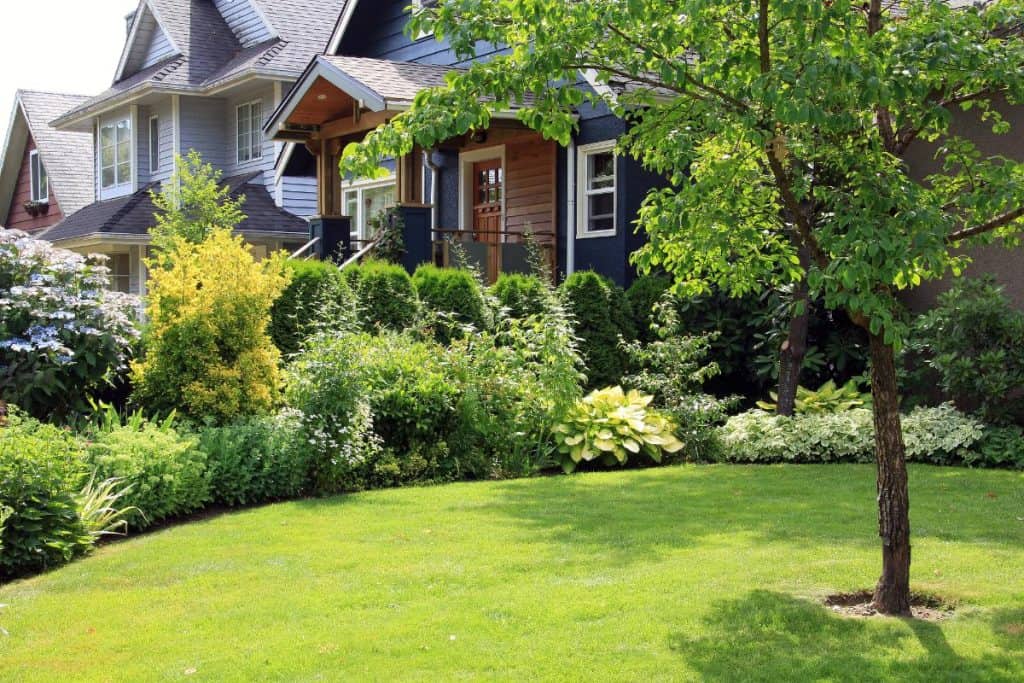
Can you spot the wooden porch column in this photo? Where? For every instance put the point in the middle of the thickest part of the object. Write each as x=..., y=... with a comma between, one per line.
x=329, y=179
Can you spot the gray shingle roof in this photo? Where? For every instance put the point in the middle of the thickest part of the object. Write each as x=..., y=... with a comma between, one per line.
x=211, y=55
x=393, y=81
x=66, y=155
x=133, y=214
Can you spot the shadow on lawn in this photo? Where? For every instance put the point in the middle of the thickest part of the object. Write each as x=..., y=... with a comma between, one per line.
x=637, y=516
x=773, y=637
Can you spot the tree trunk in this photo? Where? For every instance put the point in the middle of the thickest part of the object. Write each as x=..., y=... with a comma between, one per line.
x=892, y=594
x=791, y=355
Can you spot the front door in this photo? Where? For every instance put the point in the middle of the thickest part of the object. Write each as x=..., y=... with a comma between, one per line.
x=488, y=182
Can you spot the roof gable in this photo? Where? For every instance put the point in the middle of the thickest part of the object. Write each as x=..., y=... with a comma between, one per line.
x=148, y=43
x=67, y=156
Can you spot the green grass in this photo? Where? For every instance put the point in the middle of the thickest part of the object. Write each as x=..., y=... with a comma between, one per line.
x=707, y=573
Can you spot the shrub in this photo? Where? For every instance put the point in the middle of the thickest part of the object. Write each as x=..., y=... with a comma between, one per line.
x=455, y=294
x=673, y=369
x=938, y=435
x=41, y=471
x=999, y=447
x=64, y=334
x=323, y=384
x=643, y=295
x=521, y=295
x=207, y=349
x=163, y=472
x=602, y=316
x=971, y=348
x=609, y=425
x=316, y=295
x=387, y=298
x=255, y=460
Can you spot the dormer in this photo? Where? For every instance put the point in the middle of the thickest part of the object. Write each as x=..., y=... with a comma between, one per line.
x=246, y=21
x=148, y=43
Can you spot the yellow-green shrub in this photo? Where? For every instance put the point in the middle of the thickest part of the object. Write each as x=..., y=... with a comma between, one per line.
x=208, y=353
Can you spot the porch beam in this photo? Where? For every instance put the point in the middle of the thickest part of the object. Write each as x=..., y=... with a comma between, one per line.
x=348, y=125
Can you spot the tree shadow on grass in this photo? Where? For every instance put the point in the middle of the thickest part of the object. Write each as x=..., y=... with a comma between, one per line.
x=638, y=516
x=768, y=636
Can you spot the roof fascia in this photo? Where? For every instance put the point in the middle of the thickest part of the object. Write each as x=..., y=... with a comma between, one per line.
x=122, y=63
x=342, y=26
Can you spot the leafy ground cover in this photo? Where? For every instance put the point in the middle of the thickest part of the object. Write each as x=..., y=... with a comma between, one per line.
x=709, y=572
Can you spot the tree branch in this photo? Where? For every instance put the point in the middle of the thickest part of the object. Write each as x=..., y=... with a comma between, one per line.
x=994, y=224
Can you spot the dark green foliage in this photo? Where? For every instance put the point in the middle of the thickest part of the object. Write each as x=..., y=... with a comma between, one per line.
x=387, y=298
x=165, y=469
x=255, y=460
x=456, y=296
x=298, y=308
x=999, y=447
x=602, y=316
x=41, y=472
x=388, y=226
x=970, y=348
x=522, y=295
x=643, y=294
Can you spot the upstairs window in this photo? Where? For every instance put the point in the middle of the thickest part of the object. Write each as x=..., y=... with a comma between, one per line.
x=40, y=183
x=596, y=190
x=115, y=153
x=249, y=122
x=154, y=144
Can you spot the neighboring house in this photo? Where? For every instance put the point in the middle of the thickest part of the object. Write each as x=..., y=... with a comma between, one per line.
x=197, y=75
x=485, y=190
x=45, y=174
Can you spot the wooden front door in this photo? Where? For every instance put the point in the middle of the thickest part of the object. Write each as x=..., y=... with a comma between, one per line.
x=488, y=190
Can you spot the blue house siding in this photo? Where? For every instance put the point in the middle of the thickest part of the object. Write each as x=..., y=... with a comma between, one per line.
x=244, y=21
x=203, y=129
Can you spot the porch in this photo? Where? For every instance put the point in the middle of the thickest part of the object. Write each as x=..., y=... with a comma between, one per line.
x=488, y=197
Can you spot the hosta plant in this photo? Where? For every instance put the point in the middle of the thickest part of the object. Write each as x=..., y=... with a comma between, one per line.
x=829, y=398
x=609, y=425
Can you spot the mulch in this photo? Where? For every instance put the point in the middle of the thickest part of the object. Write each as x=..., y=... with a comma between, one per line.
x=858, y=604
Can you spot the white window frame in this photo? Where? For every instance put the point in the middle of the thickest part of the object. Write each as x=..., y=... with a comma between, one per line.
x=118, y=180
x=34, y=193
x=254, y=145
x=583, y=191
x=359, y=187
x=154, y=144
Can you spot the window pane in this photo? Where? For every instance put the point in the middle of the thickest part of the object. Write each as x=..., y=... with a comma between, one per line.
x=255, y=132
x=601, y=170
x=33, y=164
x=124, y=133
x=601, y=224
x=44, y=183
x=108, y=176
x=124, y=172
x=602, y=205
x=107, y=157
x=124, y=152
x=106, y=136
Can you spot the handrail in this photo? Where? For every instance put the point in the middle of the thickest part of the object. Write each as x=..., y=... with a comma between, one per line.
x=358, y=255
x=306, y=247
x=456, y=231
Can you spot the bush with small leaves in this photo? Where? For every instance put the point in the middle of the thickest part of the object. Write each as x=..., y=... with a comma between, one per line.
x=643, y=296
x=387, y=298
x=521, y=295
x=456, y=296
x=41, y=472
x=603, y=317
x=316, y=295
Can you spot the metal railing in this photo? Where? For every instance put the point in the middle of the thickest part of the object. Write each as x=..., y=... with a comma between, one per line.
x=495, y=251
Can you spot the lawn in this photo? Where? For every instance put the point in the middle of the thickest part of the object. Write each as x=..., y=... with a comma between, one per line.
x=708, y=573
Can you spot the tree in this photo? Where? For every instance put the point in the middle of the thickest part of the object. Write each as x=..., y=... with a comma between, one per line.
x=779, y=126
x=193, y=204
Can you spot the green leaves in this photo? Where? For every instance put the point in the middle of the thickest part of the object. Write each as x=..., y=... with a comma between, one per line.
x=609, y=425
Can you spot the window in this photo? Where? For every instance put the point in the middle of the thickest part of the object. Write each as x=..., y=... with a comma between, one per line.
x=40, y=183
x=154, y=144
x=596, y=190
x=363, y=202
x=115, y=153
x=249, y=120
x=120, y=272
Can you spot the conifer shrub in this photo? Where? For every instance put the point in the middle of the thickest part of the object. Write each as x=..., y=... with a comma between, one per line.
x=521, y=295
x=315, y=290
x=603, y=317
x=455, y=296
x=386, y=295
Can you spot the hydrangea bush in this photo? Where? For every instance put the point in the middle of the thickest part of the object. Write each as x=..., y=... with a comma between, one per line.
x=63, y=333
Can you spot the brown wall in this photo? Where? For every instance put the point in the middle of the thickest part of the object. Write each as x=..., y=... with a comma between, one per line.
x=17, y=217
x=1007, y=265
x=530, y=187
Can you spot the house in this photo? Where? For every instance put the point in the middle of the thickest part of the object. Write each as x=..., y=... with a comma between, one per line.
x=45, y=174
x=197, y=75
x=486, y=190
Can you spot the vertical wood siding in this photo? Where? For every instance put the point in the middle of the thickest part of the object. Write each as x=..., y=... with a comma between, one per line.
x=243, y=19
x=17, y=217
x=530, y=187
